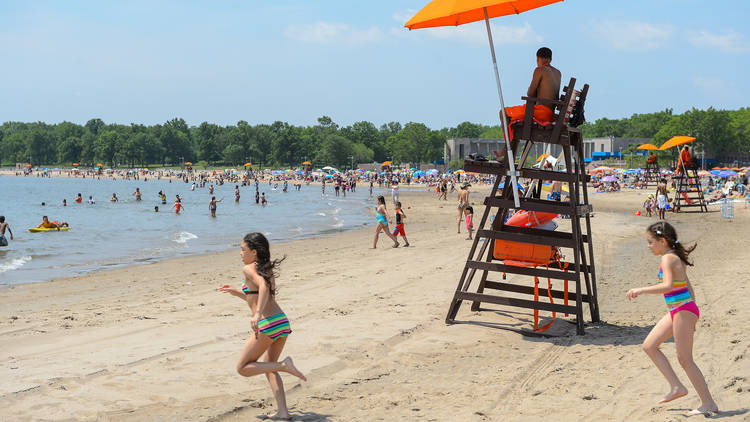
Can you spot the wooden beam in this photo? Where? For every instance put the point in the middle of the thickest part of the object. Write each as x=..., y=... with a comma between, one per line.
x=513, y=269
x=519, y=303
x=557, y=294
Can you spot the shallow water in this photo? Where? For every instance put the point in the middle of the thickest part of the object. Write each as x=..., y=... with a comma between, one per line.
x=106, y=234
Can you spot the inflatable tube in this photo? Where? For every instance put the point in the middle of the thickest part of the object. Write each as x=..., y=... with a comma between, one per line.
x=530, y=219
x=40, y=229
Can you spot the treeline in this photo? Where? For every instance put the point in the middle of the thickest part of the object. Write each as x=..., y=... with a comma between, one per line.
x=725, y=134
x=276, y=144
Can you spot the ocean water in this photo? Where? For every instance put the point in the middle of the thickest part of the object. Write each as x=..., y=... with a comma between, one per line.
x=107, y=235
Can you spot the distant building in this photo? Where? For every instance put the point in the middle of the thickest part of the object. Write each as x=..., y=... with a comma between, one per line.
x=608, y=147
x=460, y=148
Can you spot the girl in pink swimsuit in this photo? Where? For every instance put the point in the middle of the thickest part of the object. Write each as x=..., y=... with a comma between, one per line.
x=680, y=321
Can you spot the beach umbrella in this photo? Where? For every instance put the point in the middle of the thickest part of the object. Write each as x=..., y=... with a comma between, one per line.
x=716, y=168
x=704, y=173
x=610, y=179
x=328, y=168
x=386, y=163
x=542, y=157
x=676, y=140
x=188, y=163
x=454, y=13
x=75, y=164
x=248, y=164
x=307, y=163
x=649, y=147
x=100, y=165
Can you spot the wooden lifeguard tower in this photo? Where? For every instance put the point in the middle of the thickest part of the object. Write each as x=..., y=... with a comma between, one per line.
x=535, y=248
x=689, y=191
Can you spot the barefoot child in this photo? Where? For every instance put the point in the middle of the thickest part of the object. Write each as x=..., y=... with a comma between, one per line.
x=400, y=217
x=649, y=205
x=269, y=323
x=680, y=321
x=381, y=215
x=469, y=211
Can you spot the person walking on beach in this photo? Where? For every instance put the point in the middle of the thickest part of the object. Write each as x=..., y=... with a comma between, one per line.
x=269, y=324
x=371, y=183
x=394, y=190
x=463, y=202
x=680, y=320
x=400, y=217
x=661, y=199
x=469, y=220
x=381, y=215
x=3, y=227
x=212, y=205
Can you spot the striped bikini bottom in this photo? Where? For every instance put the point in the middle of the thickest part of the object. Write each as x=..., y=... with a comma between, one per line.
x=275, y=327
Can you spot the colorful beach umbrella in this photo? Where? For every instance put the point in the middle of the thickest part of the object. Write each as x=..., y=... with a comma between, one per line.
x=454, y=13
x=676, y=140
x=648, y=147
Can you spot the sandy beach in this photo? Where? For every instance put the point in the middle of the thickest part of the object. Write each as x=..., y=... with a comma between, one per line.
x=158, y=342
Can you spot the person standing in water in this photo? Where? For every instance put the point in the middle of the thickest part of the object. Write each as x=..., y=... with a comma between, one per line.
x=177, y=205
x=270, y=325
x=137, y=194
x=212, y=205
x=236, y=193
x=257, y=196
x=681, y=317
x=3, y=227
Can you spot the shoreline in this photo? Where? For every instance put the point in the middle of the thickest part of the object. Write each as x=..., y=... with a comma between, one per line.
x=131, y=344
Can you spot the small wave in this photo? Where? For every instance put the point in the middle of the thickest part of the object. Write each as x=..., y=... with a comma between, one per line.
x=183, y=237
x=322, y=214
x=14, y=264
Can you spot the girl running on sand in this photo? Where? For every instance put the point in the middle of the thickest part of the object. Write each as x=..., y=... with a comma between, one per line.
x=381, y=215
x=680, y=321
x=269, y=323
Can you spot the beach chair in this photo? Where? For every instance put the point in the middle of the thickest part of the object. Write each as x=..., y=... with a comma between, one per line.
x=532, y=247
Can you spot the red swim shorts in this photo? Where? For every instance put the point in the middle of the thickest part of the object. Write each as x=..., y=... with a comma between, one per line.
x=399, y=230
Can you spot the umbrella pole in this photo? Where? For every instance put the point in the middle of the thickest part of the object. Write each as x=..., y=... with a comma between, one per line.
x=504, y=121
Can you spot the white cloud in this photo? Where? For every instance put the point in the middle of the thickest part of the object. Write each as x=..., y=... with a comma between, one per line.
x=732, y=42
x=633, y=35
x=476, y=33
x=332, y=33
x=402, y=16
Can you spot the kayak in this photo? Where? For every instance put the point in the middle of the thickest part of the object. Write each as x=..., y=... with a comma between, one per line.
x=40, y=229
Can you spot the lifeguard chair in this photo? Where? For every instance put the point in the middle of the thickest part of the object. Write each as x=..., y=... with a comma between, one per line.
x=527, y=249
x=689, y=191
x=651, y=171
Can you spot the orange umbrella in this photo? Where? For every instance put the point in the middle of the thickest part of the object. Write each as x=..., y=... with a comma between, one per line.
x=28, y=165
x=307, y=163
x=248, y=164
x=716, y=168
x=188, y=163
x=677, y=140
x=99, y=165
x=542, y=157
x=386, y=163
x=649, y=146
x=75, y=164
x=454, y=13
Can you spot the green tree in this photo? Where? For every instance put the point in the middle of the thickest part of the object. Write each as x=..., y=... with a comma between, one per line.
x=105, y=147
x=335, y=150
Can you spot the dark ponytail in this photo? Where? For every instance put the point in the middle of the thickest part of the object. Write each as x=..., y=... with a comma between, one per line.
x=266, y=267
x=664, y=230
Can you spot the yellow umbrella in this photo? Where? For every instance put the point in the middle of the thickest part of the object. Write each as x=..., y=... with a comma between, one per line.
x=649, y=147
x=677, y=140
x=454, y=13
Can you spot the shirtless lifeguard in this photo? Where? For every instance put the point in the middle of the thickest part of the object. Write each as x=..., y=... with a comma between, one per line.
x=545, y=84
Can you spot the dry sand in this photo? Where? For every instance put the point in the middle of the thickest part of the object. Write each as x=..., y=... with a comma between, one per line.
x=159, y=343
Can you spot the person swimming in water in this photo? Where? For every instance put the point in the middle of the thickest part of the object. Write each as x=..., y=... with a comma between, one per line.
x=46, y=224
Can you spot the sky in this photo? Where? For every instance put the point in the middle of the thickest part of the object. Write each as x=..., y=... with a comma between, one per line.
x=261, y=61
